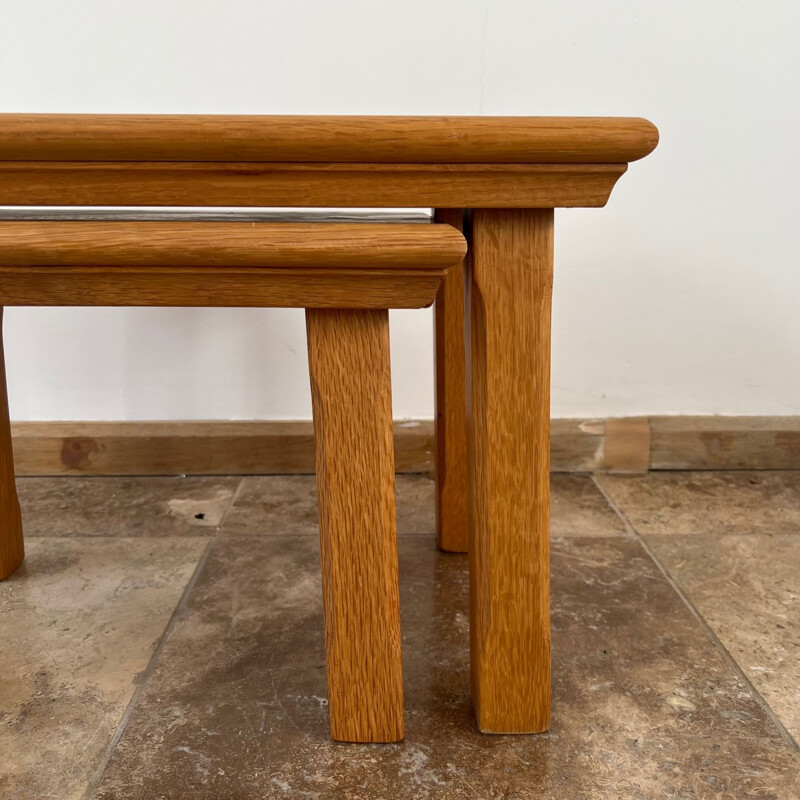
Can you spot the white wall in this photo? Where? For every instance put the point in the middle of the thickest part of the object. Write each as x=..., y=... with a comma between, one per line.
x=681, y=297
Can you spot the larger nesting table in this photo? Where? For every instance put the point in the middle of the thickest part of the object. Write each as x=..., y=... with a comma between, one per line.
x=498, y=179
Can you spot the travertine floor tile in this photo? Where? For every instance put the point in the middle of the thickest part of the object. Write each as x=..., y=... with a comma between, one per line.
x=748, y=590
x=287, y=504
x=124, y=506
x=708, y=502
x=278, y=504
x=78, y=623
x=645, y=705
x=416, y=504
x=273, y=505
x=578, y=508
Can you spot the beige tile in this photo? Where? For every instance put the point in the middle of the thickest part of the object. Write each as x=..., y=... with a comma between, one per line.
x=287, y=504
x=78, y=623
x=416, y=504
x=645, y=705
x=708, y=502
x=124, y=506
x=274, y=504
x=748, y=590
x=578, y=508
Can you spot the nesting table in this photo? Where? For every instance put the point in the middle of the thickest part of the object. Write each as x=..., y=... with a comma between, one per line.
x=497, y=180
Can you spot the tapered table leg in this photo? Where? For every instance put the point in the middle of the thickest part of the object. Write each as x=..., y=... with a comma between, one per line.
x=452, y=495
x=351, y=391
x=11, y=548
x=510, y=290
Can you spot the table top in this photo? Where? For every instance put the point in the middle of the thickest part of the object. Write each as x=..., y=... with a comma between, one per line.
x=315, y=161
x=320, y=139
x=344, y=245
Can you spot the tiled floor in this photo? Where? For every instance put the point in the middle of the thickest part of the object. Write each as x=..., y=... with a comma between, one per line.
x=164, y=640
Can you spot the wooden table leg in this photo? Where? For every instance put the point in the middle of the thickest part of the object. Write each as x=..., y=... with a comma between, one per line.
x=348, y=353
x=452, y=494
x=510, y=290
x=11, y=547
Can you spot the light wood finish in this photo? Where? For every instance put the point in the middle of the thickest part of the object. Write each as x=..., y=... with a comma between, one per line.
x=151, y=137
x=222, y=286
x=452, y=490
x=514, y=171
x=444, y=162
x=299, y=265
x=348, y=353
x=627, y=445
x=353, y=185
x=191, y=448
x=12, y=550
x=301, y=245
x=509, y=375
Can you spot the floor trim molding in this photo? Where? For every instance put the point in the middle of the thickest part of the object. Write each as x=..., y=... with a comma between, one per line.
x=623, y=445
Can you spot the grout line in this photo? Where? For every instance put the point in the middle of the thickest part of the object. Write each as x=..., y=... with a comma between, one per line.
x=145, y=676
x=757, y=696
x=234, y=498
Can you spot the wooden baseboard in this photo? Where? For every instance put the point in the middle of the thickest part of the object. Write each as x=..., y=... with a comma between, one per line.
x=725, y=443
x=189, y=448
x=631, y=445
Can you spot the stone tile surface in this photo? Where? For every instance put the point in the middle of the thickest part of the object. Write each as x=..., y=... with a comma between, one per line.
x=78, y=624
x=416, y=504
x=272, y=505
x=748, y=590
x=708, y=502
x=645, y=705
x=578, y=508
x=287, y=504
x=124, y=506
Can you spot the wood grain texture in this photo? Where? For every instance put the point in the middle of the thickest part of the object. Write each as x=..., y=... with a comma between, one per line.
x=452, y=488
x=319, y=185
x=218, y=286
x=626, y=449
x=12, y=550
x=576, y=445
x=510, y=293
x=230, y=244
x=692, y=442
x=152, y=137
x=279, y=447
x=298, y=265
x=348, y=353
x=191, y=448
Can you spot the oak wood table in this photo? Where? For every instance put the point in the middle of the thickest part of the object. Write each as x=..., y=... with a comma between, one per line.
x=496, y=178
x=346, y=276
